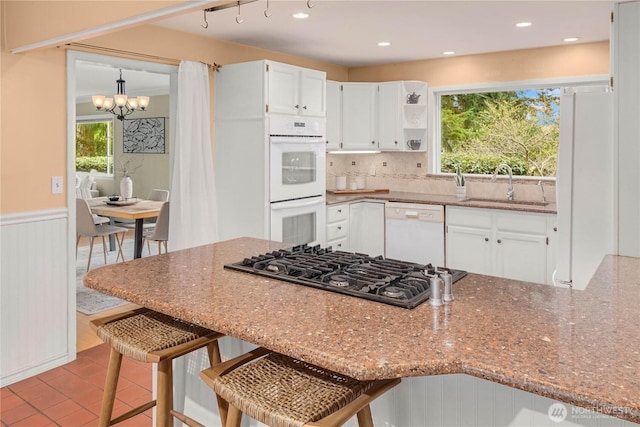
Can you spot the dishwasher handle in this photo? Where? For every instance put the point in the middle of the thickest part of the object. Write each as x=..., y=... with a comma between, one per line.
x=405, y=211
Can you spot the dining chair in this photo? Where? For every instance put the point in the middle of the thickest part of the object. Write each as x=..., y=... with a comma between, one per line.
x=160, y=232
x=85, y=193
x=87, y=228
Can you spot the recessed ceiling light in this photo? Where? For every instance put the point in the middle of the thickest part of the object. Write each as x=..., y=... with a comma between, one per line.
x=523, y=24
x=384, y=44
x=448, y=52
x=300, y=15
x=571, y=39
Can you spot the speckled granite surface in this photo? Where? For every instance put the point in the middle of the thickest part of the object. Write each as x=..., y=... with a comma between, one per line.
x=436, y=199
x=579, y=347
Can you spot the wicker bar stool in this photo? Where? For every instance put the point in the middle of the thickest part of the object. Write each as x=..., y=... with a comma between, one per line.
x=151, y=337
x=280, y=391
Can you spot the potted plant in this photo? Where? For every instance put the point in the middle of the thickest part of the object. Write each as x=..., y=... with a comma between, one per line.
x=461, y=189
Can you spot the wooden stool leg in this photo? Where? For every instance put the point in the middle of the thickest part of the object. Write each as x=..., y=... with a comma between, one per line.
x=213, y=350
x=364, y=417
x=164, y=400
x=233, y=417
x=111, y=383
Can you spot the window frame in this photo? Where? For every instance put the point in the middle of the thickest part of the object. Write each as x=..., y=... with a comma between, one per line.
x=100, y=118
x=434, y=107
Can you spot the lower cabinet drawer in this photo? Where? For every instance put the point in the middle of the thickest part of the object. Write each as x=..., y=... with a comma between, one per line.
x=337, y=230
x=339, y=244
x=337, y=213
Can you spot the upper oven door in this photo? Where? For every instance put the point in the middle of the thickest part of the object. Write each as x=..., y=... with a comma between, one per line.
x=297, y=167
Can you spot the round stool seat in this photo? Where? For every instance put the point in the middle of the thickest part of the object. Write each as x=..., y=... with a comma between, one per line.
x=142, y=335
x=280, y=391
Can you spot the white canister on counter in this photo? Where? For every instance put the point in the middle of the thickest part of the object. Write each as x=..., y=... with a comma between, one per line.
x=353, y=185
x=341, y=182
x=360, y=182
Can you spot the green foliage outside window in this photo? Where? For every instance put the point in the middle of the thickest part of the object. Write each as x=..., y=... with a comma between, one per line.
x=94, y=148
x=482, y=130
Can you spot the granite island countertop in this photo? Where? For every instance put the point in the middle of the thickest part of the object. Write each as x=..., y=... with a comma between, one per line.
x=578, y=347
x=440, y=199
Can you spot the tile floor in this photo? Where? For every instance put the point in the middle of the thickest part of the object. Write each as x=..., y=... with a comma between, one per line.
x=71, y=395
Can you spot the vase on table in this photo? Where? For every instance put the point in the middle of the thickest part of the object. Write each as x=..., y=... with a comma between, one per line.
x=126, y=188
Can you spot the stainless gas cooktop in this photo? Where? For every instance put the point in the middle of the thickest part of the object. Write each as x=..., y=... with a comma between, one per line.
x=400, y=283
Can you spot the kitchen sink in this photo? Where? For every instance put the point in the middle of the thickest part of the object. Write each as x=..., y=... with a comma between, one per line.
x=505, y=201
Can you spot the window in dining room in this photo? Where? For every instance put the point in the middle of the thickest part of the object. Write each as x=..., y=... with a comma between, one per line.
x=94, y=144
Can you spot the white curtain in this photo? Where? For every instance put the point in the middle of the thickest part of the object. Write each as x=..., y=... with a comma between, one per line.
x=193, y=216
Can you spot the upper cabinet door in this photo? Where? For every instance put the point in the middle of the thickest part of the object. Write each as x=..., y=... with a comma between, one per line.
x=283, y=88
x=334, y=113
x=297, y=91
x=389, y=116
x=313, y=98
x=359, y=116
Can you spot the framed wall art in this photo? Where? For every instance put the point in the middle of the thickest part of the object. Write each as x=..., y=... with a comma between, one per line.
x=144, y=135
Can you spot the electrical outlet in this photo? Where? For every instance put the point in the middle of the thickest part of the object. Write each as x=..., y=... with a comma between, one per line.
x=56, y=185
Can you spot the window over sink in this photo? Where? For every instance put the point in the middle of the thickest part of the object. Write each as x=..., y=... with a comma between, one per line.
x=479, y=127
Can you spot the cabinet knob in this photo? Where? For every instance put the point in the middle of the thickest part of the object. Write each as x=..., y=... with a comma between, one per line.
x=339, y=210
x=340, y=228
x=304, y=108
x=373, y=142
x=499, y=241
x=555, y=228
x=486, y=239
x=297, y=106
x=339, y=245
x=395, y=142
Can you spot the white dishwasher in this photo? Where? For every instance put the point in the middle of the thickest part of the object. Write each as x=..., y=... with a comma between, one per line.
x=414, y=232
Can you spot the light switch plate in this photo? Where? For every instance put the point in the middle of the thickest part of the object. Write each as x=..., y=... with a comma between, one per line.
x=56, y=185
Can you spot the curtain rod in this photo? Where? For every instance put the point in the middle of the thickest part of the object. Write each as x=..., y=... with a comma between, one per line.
x=212, y=67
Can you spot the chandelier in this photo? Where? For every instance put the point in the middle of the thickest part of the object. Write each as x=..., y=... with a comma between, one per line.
x=120, y=105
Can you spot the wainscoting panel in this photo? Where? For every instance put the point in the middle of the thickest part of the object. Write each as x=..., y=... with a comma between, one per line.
x=34, y=294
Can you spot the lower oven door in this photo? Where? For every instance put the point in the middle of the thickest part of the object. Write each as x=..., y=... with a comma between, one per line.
x=299, y=221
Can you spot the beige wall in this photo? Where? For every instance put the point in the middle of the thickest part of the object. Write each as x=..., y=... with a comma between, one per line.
x=562, y=61
x=37, y=21
x=33, y=137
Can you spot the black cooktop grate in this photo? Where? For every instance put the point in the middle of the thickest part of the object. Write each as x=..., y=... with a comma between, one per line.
x=400, y=283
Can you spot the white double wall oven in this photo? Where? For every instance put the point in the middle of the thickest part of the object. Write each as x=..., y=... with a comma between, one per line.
x=297, y=179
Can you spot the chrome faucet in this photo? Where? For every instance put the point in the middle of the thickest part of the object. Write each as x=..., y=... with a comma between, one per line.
x=495, y=174
x=544, y=198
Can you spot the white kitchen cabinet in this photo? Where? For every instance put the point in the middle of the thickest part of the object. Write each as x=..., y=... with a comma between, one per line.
x=366, y=228
x=510, y=244
x=414, y=116
x=356, y=227
x=334, y=115
x=402, y=116
x=338, y=227
x=295, y=90
x=390, y=116
x=359, y=129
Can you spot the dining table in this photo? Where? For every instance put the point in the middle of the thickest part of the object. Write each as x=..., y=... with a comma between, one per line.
x=132, y=209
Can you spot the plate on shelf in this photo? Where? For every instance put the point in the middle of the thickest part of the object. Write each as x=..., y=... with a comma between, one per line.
x=122, y=202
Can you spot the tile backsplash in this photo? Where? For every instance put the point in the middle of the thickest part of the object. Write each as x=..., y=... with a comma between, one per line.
x=409, y=172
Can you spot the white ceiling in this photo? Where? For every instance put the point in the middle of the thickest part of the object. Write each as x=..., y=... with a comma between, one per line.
x=346, y=32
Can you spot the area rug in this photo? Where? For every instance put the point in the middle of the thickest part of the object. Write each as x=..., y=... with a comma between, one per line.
x=90, y=302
